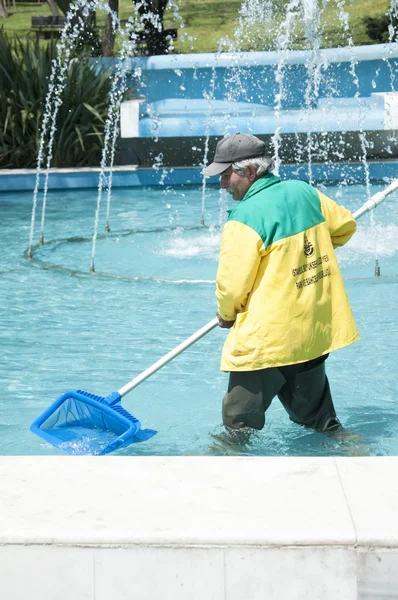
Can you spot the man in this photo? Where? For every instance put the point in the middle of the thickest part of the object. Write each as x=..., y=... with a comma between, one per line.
x=279, y=289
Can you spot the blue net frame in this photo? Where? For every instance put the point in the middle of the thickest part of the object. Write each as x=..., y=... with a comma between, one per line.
x=85, y=424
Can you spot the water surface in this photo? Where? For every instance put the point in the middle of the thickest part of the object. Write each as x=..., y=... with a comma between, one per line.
x=63, y=328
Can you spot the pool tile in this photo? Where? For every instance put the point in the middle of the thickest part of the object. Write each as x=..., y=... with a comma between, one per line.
x=46, y=573
x=291, y=573
x=377, y=574
x=150, y=573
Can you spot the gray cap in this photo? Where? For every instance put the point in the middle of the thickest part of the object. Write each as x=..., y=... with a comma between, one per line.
x=233, y=148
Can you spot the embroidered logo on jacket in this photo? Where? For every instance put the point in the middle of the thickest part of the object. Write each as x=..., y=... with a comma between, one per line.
x=308, y=247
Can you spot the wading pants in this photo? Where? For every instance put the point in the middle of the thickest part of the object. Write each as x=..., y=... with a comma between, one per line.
x=303, y=389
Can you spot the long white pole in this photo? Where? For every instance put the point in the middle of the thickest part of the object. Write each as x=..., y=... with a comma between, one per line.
x=375, y=200
x=168, y=357
x=369, y=205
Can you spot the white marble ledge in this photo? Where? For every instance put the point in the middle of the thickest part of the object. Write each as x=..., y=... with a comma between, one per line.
x=371, y=488
x=198, y=501
x=53, y=573
x=57, y=170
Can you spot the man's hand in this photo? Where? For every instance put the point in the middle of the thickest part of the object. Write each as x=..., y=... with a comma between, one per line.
x=224, y=324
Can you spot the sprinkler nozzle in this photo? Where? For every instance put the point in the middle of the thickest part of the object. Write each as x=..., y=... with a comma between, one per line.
x=377, y=269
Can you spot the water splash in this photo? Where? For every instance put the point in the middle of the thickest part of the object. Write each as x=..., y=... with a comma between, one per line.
x=293, y=12
x=174, y=8
x=361, y=112
x=314, y=64
x=88, y=445
x=187, y=246
x=392, y=38
x=209, y=96
x=69, y=37
x=130, y=37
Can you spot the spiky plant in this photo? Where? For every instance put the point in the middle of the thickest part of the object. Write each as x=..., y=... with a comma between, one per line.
x=25, y=68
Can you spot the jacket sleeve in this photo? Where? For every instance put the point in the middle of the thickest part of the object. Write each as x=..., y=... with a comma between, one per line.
x=237, y=268
x=340, y=221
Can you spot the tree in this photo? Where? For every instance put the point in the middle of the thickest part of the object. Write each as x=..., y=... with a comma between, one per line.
x=3, y=10
x=63, y=5
x=108, y=40
x=152, y=13
x=378, y=28
x=54, y=8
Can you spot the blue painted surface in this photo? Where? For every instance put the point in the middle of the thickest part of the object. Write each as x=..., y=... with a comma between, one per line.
x=25, y=181
x=181, y=118
x=167, y=76
x=210, y=94
x=351, y=172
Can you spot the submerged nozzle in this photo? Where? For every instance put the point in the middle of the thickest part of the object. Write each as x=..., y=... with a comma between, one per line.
x=377, y=269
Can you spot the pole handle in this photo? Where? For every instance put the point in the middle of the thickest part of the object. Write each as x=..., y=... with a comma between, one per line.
x=372, y=202
x=168, y=357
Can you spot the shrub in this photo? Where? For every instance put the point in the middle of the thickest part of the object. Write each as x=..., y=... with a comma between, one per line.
x=25, y=69
x=377, y=28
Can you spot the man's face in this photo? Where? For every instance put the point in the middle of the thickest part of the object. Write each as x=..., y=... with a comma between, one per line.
x=236, y=185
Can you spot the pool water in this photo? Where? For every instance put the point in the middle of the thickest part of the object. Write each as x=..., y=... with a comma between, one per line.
x=63, y=328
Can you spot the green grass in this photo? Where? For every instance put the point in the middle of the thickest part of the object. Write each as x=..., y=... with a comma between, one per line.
x=357, y=10
x=18, y=23
x=206, y=23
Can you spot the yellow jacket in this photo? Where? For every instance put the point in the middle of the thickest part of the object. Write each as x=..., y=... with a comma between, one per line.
x=279, y=278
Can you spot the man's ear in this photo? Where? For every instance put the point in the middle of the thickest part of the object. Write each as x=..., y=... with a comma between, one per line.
x=251, y=173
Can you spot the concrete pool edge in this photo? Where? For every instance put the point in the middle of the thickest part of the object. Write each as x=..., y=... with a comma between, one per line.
x=199, y=527
x=133, y=176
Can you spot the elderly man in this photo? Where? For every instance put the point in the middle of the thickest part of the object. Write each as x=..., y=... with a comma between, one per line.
x=279, y=289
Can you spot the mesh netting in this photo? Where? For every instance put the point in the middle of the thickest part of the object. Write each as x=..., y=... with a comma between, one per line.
x=83, y=429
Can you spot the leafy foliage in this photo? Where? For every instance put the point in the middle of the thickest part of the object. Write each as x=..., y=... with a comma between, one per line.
x=25, y=69
x=381, y=29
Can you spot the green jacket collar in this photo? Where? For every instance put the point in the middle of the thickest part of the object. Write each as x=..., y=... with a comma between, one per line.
x=258, y=186
x=261, y=184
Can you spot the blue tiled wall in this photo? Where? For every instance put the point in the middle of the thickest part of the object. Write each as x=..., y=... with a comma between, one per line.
x=189, y=76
